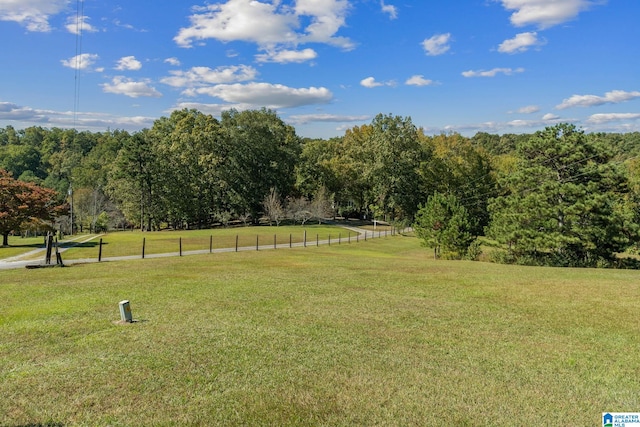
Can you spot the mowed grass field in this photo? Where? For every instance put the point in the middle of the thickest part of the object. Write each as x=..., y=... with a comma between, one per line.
x=126, y=243
x=374, y=333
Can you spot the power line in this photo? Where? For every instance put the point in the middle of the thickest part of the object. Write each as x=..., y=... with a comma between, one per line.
x=78, y=65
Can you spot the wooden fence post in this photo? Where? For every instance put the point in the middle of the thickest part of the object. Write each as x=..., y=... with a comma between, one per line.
x=144, y=244
x=100, y=251
x=180, y=246
x=236, y=243
x=211, y=244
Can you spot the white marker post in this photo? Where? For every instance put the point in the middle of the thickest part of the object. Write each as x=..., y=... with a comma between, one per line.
x=125, y=312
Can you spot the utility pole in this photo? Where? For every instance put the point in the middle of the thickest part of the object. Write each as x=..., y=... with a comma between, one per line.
x=70, y=193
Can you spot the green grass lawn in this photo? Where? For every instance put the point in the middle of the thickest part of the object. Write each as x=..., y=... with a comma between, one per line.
x=130, y=243
x=370, y=334
x=19, y=245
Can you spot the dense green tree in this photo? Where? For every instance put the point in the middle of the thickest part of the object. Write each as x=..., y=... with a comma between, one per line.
x=188, y=149
x=133, y=180
x=562, y=204
x=261, y=152
x=379, y=167
x=460, y=168
x=20, y=158
x=443, y=224
x=316, y=167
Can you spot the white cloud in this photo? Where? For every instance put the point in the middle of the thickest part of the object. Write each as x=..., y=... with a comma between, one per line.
x=67, y=119
x=213, y=109
x=544, y=13
x=327, y=118
x=492, y=73
x=286, y=56
x=266, y=95
x=327, y=17
x=391, y=10
x=77, y=25
x=370, y=82
x=520, y=43
x=268, y=24
x=123, y=86
x=549, y=117
x=81, y=62
x=11, y=111
x=613, y=97
x=202, y=76
x=32, y=14
x=418, y=80
x=612, y=117
x=437, y=44
x=172, y=61
x=529, y=109
x=128, y=63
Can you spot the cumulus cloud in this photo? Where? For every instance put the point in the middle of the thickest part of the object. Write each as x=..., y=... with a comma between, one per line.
x=612, y=117
x=287, y=56
x=613, y=97
x=135, y=89
x=128, y=63
x=202, y=76
x=437, y=44
x=83, y=61
x=389, y=9
x=32, y=14
x=268, y=24
x=77, y=25
x=544, y=13
x=370, y=82
x=265, y=94
x=418, y=80
x=492, y=73
x=520, y=43
x=172, y=61
x=549, y=117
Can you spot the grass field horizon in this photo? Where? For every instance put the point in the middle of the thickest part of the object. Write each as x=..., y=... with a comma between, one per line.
x=371, y=334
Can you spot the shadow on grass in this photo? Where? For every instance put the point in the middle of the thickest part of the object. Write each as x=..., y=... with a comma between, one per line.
x=32, y=246
x=81, y=245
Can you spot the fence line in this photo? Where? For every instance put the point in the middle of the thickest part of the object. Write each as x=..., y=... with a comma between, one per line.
x=237, y=248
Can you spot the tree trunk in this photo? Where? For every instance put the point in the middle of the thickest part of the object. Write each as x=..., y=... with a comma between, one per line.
x=5, y=239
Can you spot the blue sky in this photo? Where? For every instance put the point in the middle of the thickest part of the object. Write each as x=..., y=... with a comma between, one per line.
x=498, y=66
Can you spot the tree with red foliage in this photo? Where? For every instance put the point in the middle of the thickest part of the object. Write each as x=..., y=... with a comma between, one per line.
x=22, y=201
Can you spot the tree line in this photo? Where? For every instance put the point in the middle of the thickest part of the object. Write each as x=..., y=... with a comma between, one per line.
x=559, y=196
